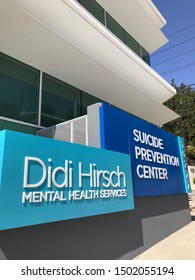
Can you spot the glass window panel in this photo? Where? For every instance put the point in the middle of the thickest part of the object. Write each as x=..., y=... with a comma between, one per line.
x=17, y=127
x=145, y=56
x=60, y=101
x=94, y=8
x=87, y=100
x=114, y=27
x=132, y=43
x=19, y=86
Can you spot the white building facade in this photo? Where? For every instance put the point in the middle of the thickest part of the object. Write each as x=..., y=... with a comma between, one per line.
x=58, y=57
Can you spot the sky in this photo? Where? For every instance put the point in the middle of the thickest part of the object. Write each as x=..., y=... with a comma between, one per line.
x=176, y=59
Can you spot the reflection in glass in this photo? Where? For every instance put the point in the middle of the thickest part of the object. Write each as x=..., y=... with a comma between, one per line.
x=60, y=101
x=18, y=90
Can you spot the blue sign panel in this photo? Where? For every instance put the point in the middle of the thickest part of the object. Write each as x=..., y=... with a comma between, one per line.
x=156, y=159
x=44, y=180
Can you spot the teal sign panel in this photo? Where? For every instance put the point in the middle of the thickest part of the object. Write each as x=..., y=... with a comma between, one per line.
x=44, y=180
x=184, y=163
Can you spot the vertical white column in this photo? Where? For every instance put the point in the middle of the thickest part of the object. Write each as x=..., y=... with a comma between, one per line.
x=40, y=98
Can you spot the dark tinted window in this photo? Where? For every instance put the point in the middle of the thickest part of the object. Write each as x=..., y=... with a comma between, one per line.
x=87, y=100
x=60, y=101
x=132, y=43
x=145, y=56
x=17, y=127
x=19, y=88
x=94, y=8
x=114, y=27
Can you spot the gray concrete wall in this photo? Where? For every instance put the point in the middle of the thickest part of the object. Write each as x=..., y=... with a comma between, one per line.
x=121, y=235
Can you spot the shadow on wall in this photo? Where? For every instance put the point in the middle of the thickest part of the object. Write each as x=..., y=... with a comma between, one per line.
x=121, y=235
